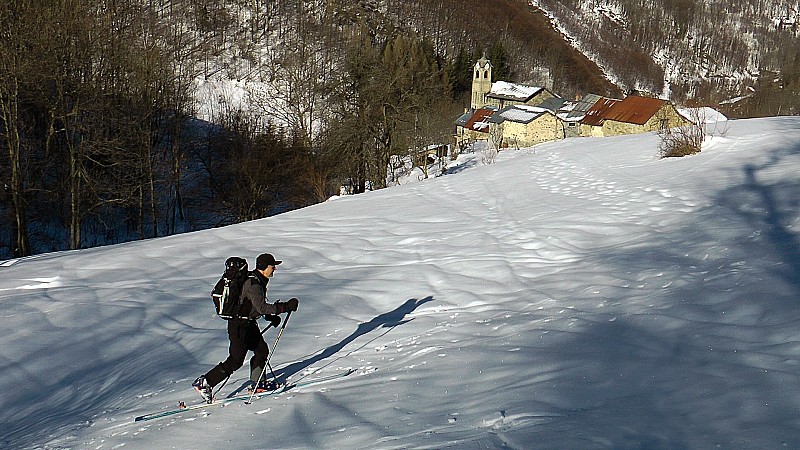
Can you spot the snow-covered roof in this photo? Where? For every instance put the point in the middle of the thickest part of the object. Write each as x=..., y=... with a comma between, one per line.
x=519, y=114
x=480, y=126
x=512, y=91
x=703, y=114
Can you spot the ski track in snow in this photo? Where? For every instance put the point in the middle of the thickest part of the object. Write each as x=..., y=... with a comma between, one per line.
x=580, y=294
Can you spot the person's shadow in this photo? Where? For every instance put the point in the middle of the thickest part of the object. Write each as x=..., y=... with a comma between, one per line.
x=390, y=320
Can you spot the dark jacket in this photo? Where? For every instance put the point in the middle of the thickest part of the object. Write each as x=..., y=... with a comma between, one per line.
x=254, y=297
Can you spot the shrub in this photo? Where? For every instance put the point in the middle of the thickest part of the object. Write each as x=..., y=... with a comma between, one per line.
x=682, y=141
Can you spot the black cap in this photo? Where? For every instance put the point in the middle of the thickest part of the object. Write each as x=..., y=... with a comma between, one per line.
x=264, y=260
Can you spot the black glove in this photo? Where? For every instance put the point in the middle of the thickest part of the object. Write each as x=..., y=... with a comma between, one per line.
x=283, y=307
x=273, y=320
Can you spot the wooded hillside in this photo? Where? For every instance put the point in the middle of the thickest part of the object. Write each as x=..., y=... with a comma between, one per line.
x=132, y=119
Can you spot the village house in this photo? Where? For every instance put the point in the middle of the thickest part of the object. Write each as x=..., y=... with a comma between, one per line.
x=523, y=126
x=592, y=120
x=473, y=126
x=489, y=98
x=631, y=115
x=509, y=114
x=505, y=94
x=575, y=116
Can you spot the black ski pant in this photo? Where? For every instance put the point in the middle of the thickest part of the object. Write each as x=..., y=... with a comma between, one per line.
x=244, y=335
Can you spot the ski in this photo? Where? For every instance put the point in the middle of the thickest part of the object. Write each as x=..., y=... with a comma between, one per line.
x=244, y=397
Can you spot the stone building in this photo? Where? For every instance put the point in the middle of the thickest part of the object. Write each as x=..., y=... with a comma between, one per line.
x=631, y=115
x=517, y=115
x=523, y=126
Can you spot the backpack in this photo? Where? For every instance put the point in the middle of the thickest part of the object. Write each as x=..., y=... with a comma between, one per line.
x=228, y=290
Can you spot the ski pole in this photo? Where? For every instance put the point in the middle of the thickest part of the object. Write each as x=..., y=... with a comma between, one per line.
x=269, y=357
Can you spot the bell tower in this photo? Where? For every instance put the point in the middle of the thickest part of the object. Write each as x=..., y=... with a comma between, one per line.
x=481, y=82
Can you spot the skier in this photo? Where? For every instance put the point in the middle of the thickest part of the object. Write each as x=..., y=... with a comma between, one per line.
x=243, y=331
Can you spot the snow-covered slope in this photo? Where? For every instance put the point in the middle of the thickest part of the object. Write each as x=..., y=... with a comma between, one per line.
x=580, y=294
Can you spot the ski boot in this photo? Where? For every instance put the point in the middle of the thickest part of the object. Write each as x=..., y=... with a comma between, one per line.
x=265, y=386
x=204, y=389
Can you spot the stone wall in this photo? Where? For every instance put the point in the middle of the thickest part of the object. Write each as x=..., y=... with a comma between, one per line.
x=545, y=128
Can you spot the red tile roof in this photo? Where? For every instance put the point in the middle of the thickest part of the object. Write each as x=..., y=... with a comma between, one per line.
x=633, y=109
x=596, y=114
x=479, y=121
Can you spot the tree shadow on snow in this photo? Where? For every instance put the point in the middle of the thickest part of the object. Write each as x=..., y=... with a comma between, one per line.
x=387, y=320
x=461, y=167
x=628, y=386
x=684, y=367
x=770, y=209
